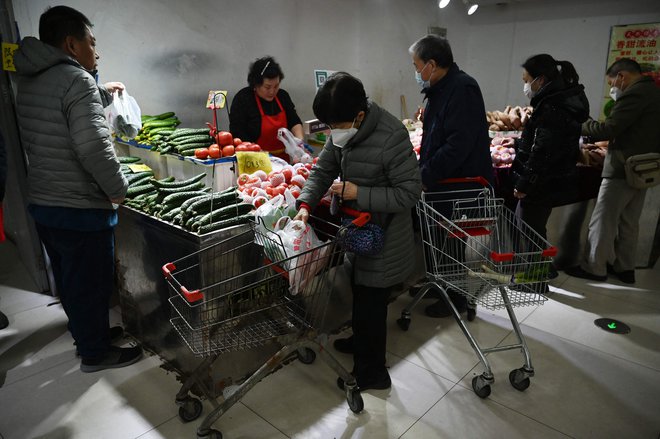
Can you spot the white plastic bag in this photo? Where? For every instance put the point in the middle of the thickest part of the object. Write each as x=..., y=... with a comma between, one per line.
x=293, y=146
x=298, y=237
x=124, y=115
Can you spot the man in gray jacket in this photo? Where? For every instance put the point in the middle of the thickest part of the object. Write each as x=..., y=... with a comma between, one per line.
x=74, y=177
x=632, y=128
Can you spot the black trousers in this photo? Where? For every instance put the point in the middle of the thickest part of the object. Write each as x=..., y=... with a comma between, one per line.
x=535, y=215
x=369, y=329
x=83, y=266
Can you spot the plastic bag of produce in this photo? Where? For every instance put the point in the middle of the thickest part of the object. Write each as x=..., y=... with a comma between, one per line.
x=293, y=146
x=124, y=115
x=298, y=238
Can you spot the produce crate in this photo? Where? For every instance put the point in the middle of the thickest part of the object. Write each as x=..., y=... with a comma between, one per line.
x=220, y=173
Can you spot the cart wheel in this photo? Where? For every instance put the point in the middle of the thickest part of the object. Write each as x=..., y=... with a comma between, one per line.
x=481, y=388
x=404, y=323
x=355, y=401
x=190, y=409
x=518, y=379
x=471, y=314
x=212, y=434
x=306, y=355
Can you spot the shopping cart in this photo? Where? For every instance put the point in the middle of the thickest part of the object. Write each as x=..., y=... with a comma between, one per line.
x=236, y=295
x=476, y=247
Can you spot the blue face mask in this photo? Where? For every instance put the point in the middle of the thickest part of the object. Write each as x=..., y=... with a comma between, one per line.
x=418, y=77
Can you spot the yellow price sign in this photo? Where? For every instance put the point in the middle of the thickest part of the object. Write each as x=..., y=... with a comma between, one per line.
x=250, y=162
x=8, y=50
x=216, y=99
x=139, y=167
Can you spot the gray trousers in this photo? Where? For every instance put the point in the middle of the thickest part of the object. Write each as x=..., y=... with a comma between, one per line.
x=614, y=227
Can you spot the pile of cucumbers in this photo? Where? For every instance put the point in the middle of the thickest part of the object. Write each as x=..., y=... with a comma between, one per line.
x=187, y=203
x=161, y=133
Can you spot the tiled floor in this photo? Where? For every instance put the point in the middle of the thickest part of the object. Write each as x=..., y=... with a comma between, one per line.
x=588, y=383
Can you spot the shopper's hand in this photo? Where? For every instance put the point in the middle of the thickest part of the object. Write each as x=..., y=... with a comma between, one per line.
x=419, y=114
x=345, y=189
x=114, y=86
x=519, y=195
x=302, y=215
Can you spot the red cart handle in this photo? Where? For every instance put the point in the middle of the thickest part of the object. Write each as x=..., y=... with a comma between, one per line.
x=168, y=269
x=361, y=218
x=479, y=180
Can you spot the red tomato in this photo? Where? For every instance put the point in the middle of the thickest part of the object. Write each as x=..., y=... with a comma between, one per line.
x=225, y=138
x=258, y=201
x=253, y=147
x=237, y=141
x=228, y=150
x=242, y=179
x=214, y=152
x=288, y=173
x=202, y=153
x=241, y=148
x=308, y=166
x=303, y=171
x=294, y=191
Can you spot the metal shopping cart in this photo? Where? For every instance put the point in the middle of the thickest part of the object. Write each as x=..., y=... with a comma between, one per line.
x=236, y=295
x=476, y=247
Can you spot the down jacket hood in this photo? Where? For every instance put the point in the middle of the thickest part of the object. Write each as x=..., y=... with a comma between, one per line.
x=36, y=56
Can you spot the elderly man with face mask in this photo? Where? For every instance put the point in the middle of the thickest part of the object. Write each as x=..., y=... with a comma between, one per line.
x=632, y=128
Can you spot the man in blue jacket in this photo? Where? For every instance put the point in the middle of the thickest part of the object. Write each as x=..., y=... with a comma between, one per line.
x=74, y=177
x=455, y=142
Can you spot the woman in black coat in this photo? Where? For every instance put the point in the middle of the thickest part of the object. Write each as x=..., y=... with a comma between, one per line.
x=544, y=169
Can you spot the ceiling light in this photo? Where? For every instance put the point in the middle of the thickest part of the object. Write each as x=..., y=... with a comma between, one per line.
x=470, y=6
x=443, y=3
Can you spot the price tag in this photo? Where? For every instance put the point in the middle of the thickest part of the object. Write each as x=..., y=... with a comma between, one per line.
x=8, y=50
x=250, y=162
x=216, y=99
x=139, y=167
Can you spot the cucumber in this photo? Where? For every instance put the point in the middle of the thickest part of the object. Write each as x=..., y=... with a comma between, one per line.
x=169, y=216
x=137, y=190
x=219, y=225
x=189, y=201
x=163, y=192
x=160, y=123
x=167, y=115
x=174, y=184
x=138, y=175
x=128, y=159
x=193, y=139
x=217, y=200
x=178, y=198
x=181, y=132
x=146, y=179
x=231, y=211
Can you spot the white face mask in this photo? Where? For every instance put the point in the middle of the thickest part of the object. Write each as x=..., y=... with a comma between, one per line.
x=527, y=89
x=615, y=92
x=341, y=136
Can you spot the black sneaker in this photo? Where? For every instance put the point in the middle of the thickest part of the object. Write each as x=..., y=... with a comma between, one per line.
x=440, y=308
x=113, y=359
x=430, y=294
x=380, y=381
x=116, y=334
x=627, y=277
x=344, y=345
x=577, y=271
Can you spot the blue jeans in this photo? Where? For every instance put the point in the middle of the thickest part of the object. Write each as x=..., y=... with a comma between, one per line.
x=83, y=265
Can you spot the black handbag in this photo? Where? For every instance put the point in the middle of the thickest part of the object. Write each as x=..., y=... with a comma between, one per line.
x=367, y=240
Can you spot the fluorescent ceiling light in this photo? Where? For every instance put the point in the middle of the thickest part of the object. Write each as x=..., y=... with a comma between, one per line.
x=472, y=8
x=443, y=3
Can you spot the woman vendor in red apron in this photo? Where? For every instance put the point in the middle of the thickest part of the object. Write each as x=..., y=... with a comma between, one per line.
x=261, y=108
